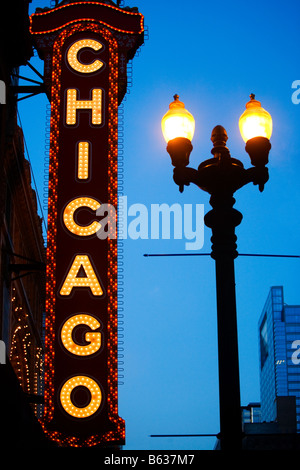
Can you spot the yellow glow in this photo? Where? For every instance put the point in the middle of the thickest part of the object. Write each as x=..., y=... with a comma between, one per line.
x=93, y=338
x=68, y=216
x=95, y=104
x=255, y=121
x=83, y=153
x=72, y=56
x=68, y=405
x=91, y=280
x=177, y=122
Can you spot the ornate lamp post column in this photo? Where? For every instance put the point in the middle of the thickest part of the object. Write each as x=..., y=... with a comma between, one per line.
x=221, y=176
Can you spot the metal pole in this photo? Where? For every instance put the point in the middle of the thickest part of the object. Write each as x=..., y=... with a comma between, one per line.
x=222, y=220
x=229, y=385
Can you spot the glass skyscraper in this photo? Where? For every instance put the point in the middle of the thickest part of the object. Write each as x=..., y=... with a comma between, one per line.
x=251, y=413
x=279, y=348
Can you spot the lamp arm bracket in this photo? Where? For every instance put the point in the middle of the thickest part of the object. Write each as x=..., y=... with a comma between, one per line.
x=258, y=175
x=183, y=176
x=214, y=178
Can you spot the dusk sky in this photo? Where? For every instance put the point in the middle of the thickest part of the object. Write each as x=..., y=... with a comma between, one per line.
x=213, y=55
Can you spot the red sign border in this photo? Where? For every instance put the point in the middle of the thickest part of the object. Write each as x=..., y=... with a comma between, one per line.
x=117, y=436
x=136, y=17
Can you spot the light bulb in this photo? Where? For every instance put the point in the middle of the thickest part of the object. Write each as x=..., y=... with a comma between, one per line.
x=255, y=121
x=177, y=122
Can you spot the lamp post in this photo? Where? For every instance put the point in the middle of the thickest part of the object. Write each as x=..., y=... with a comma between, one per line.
x=221, y=176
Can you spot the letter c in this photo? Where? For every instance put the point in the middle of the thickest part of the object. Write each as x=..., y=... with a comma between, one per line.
x=72, y=56
x=68, y=216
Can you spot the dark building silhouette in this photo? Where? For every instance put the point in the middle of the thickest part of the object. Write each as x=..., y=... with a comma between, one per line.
x=22, y=251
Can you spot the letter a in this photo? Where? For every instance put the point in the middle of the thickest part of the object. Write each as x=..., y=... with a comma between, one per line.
x=81, y=262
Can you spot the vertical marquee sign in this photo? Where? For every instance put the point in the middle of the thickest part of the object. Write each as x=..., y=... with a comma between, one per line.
x=85, y=47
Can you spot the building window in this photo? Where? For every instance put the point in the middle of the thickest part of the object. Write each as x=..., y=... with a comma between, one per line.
x=263, y=342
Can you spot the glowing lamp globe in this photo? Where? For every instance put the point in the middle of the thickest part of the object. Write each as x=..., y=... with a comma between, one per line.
x=255, y=121
x=177, y=122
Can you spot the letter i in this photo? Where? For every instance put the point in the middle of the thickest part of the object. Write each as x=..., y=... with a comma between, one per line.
x=83, y=152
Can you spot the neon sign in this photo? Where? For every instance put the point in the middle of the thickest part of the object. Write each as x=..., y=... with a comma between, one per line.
x=82, y=66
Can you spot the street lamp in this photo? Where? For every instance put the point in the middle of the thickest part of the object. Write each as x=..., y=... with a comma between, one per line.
x=221, y=176
x=178, y=127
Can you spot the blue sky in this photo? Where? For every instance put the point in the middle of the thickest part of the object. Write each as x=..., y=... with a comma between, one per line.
x=213, y=57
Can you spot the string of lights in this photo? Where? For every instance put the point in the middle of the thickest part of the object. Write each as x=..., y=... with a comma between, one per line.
x=25, y=356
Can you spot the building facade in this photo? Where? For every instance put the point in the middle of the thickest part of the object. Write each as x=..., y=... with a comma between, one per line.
x=251, y=413
x=22, y=251
x=279, y=354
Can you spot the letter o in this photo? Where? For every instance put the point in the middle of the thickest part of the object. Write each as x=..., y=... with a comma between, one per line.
x=68, y=405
